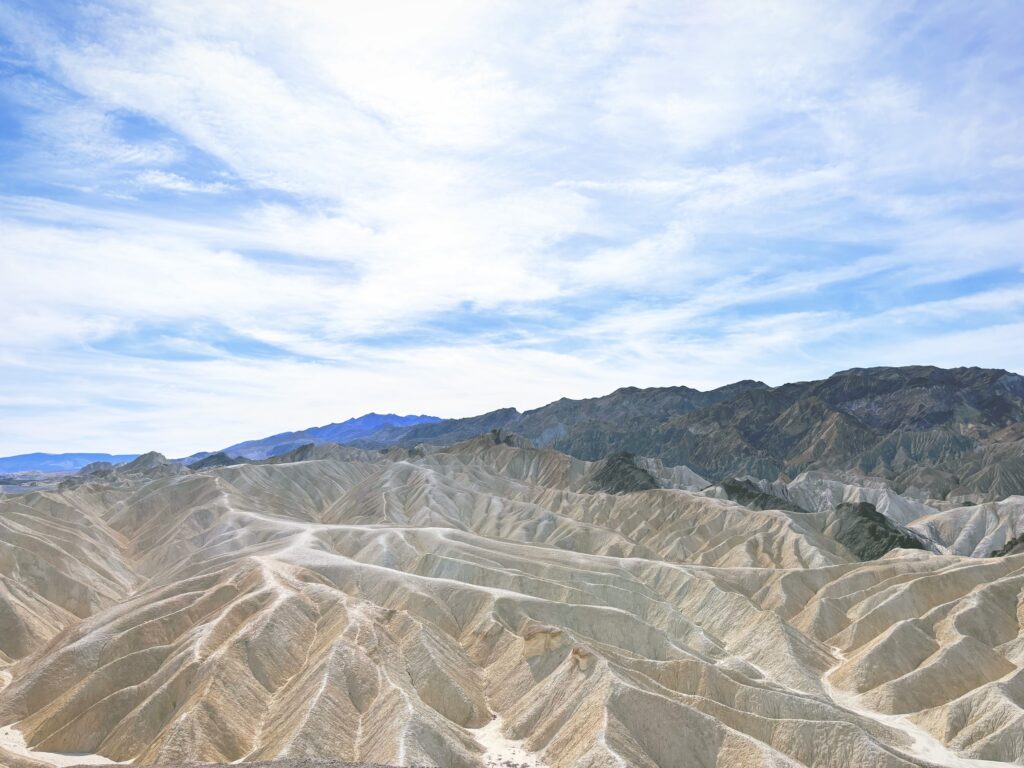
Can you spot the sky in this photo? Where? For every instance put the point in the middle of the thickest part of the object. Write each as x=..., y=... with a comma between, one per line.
x=224, y=220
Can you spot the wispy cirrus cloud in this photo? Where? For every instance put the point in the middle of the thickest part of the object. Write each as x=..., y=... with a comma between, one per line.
x=176, y=183
x=230, y=219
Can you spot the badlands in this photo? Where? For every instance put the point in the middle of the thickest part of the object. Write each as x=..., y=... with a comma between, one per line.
x=495, y=603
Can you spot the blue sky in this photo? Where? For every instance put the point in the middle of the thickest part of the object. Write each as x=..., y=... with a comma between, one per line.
x=224, y=220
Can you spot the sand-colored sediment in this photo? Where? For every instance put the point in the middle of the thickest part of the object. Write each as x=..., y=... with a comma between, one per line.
x=453, y=607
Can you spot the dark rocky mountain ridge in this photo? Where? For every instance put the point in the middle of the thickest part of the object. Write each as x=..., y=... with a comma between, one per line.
x=931, y=432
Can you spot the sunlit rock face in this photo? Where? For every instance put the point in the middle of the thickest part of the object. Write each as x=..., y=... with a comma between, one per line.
x=454, y=606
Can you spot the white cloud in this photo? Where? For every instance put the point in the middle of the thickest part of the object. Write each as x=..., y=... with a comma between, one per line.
x=176, y=183
x=454, y=206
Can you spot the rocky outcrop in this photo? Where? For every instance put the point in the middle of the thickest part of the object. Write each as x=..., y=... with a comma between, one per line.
x=867, y=533
x=219, y=459
x=1014, y=546
x=620, y=473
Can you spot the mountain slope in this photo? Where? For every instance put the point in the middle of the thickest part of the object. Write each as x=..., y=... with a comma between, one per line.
x=370, y=426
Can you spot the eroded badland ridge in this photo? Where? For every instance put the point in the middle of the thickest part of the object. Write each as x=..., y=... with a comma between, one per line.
x=814, y=586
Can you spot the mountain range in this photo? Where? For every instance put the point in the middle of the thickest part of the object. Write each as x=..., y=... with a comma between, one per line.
x=372, y=426
x=834, y=578
x=955, y=434
x=57, y=462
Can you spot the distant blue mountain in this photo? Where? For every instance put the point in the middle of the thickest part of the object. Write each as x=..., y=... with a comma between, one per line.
x=347, y=431
x=57, y=462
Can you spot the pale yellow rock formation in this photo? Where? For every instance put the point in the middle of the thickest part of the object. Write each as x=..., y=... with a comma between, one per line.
x=430, y=607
